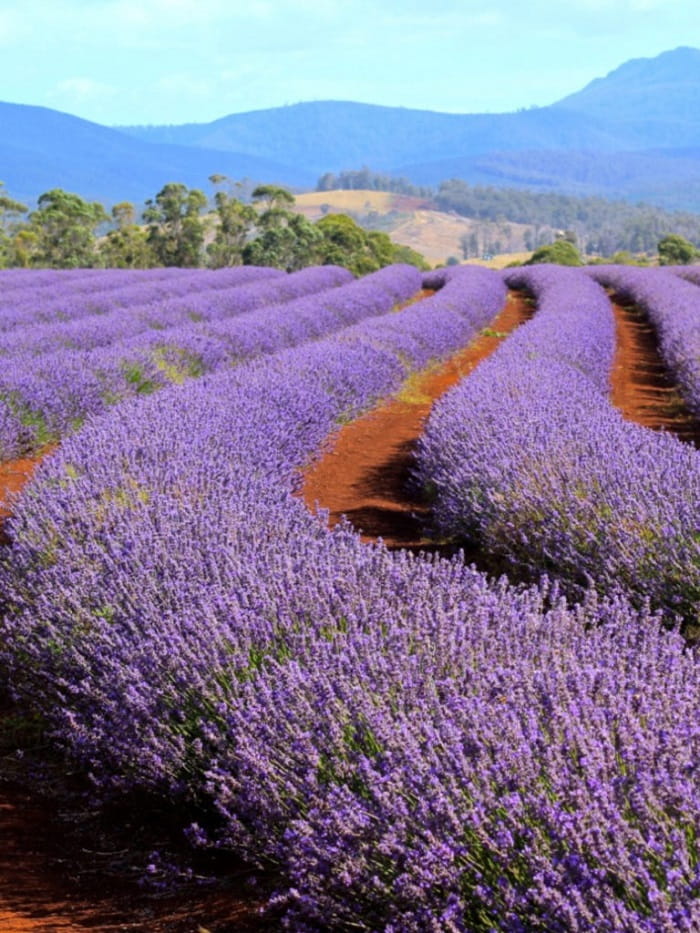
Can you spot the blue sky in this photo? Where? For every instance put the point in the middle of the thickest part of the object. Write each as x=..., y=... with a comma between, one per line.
x=176, y=61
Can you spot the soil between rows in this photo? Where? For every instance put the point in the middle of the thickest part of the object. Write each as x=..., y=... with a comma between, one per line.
x=642, y=387
x=58, y=876
x=364, y=474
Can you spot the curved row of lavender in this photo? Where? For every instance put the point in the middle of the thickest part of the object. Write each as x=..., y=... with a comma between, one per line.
x=43, y=398
x=690, y=273
x=16, y=281
x=414, y=748
x=528, y=456
x=673, y=306
x=252, y=288
x=118, y=289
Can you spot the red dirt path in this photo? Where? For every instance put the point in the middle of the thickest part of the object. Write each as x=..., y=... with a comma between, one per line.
x=14, y=474
x=641, y=385
x=364, y=473
x=56, y=875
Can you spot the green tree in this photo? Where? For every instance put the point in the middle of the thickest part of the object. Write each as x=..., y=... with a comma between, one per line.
x=675, y=250
x=410, y=256
x=347, y=244
x=291, y=245
x=274, y=204
x=23, y=248
x=561, y=252
x=65, y=226
x=10, y=211
x=286, y=240
x=127, y=246
x=381, y=248
x=176, y=228
x=236, y=222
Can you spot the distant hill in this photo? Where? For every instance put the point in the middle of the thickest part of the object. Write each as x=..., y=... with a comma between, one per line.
x=668, y=178
x=474, y=221
x=633, y=134
x=42, y=149
x=656, y=99
x=413, y=222
x=332, y=135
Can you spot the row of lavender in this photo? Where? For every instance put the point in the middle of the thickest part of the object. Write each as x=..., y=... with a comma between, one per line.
x=673, y=306
x=415, y=748
x=131, y=310
x=45, y=397
x=78, y=297
x=529, y=456
x=16, y=282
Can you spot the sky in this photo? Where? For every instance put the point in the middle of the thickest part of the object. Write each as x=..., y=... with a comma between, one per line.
x=123, y=62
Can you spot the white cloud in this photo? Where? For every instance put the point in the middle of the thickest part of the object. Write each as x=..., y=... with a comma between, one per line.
x=11, y=27
x=81, y=90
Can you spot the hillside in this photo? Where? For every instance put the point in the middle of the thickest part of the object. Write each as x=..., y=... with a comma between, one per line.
x=458, y=219
x=413, y=222
x=669, y=178
x=658, y=98
x=42, y=149
x=332, y=135
x=634, y=133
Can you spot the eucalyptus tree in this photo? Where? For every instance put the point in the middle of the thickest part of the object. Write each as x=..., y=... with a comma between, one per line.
x=66, y=227
x=175, y=226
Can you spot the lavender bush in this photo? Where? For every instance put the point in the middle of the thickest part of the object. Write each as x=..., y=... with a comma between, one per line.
x=673, y=306
x=415, y=748
x=71, y=298
x=51, y=394
x=529, y=456
x=119, y=321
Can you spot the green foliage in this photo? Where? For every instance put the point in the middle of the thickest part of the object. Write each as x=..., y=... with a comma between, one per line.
x=622, y=257
x=62, y=233
x=601, y=225
x=561, y=252
x=22, y=248
x=10, y=210
x=176, y=229
x=286, y=240
x=236, y=221
x=367, y=180
x=65, y=226
x=347, y=244
x=8, y=205
x=343, y=237
x=412, y=257
x=291, y=244
x=675, y=250
x=275, y=203
x=126, y=247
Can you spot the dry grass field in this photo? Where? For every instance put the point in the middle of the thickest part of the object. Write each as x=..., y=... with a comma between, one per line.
x=411, y=222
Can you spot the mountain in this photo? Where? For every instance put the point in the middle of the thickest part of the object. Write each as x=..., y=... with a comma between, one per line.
x=653, y=97
x=42, y=149
x=333, y=135
x=668, y=178
x=634, y=134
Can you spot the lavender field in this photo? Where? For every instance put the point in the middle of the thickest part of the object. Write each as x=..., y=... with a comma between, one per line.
x=409, y=744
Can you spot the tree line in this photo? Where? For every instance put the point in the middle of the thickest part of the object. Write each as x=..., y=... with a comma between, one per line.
x=671, y=250
x=601, y=227
x=181, y=227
